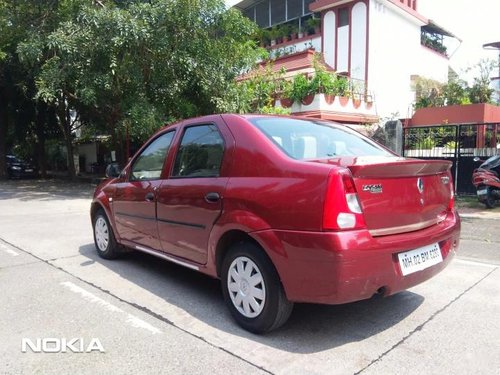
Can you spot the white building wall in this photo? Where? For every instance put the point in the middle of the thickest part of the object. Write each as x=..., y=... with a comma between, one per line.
x=343, y=49
x=358, y=41
x=395, y=54
x=329, y=37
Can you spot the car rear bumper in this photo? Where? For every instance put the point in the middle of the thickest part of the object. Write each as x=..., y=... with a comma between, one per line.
x=342, y=267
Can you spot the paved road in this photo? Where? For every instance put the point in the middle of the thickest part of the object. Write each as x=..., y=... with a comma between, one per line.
x=155, y=317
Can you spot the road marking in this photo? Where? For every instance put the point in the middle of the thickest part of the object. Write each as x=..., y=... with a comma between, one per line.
x=131, y=319
x=8, y=250
x=475, y=263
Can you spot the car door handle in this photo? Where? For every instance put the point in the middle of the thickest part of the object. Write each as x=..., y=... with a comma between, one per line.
x=150, y=197
x=212, y=197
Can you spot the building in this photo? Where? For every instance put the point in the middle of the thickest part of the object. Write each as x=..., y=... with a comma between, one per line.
x=381, y=45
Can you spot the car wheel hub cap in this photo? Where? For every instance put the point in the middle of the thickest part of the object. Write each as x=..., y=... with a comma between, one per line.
x=246, y=287
x=101, y=234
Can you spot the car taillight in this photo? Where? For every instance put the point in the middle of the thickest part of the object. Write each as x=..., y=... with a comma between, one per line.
x=342, y=210
x=451, y=203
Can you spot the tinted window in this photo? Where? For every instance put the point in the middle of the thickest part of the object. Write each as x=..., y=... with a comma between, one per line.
x=301, y=139
x=200, y=152
x=149, y=163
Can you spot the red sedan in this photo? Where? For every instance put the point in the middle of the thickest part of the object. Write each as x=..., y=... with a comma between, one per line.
x=282, y=210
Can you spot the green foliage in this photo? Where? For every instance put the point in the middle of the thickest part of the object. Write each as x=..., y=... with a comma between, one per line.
x=302, y=86
x=456, y=92
x=427, y=143
x=431, y=93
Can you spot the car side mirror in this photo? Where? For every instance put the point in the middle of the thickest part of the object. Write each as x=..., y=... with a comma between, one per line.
x=113, y=170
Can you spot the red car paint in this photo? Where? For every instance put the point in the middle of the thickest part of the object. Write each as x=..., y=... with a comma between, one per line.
x=286, y=206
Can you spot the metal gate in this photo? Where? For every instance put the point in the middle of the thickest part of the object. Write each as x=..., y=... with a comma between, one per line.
x=456, y=143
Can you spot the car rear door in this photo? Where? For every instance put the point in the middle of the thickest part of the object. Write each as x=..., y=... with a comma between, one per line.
x=191, y=199
x=134, y=200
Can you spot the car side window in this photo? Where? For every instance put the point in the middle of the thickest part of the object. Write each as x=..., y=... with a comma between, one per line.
x=149, y=163
x=200, y=152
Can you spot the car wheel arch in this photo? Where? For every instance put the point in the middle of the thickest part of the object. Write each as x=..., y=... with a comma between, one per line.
x=228, y=240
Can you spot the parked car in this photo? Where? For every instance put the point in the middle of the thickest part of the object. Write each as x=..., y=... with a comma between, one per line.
x=281, y=210
x=17, y=168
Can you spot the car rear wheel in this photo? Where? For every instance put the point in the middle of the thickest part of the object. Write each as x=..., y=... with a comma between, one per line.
x=252, y=289
x=104, y=238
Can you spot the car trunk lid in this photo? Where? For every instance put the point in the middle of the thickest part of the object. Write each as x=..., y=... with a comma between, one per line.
x=399, y=195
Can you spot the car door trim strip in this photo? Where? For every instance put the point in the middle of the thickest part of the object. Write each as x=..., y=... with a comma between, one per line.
x=166, y=257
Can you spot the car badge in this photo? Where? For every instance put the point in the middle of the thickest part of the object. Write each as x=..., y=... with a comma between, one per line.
x=374, y=188
x=420, y=185
x=445, y=180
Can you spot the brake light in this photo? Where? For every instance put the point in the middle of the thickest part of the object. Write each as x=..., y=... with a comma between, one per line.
x=451, y=203
x=342, y=210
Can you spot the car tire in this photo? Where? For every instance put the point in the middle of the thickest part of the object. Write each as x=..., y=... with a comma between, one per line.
x=104, y=238
x=252, y=289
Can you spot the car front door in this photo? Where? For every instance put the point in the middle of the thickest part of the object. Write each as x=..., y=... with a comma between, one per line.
x=134, y=201
x=190, y=201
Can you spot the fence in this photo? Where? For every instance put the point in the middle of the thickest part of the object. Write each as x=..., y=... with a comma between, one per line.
x=456, y=143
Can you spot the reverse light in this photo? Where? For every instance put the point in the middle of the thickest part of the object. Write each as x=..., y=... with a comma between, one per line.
x=342, y=210
x=346, y=221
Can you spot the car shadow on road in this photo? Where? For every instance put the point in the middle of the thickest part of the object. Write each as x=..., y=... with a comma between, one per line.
x=310, y=329
x=45, y=190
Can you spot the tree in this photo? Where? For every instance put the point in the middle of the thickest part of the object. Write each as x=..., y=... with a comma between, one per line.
x=480, y=91
x=22, y=20
x=135, y=64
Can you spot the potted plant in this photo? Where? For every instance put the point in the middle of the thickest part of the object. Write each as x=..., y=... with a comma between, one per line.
x=274, y=35
x=341, y=89
x=294, y=31
x=303, y=89
x=286, y=93
x=313, y=25
x=285, y=32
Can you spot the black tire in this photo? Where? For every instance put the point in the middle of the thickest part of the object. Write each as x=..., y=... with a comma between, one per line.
x=274, y=309
x=105, y=249
x=490, y=200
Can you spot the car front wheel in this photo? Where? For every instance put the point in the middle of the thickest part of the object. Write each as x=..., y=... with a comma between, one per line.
x=252, y=289
x=104, y=238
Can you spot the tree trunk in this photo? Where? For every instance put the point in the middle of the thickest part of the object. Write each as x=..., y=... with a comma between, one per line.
x=41, y=124
x=65, y=125
x=3, y=138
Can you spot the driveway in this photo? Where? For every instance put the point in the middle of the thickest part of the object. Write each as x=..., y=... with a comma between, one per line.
x=152, y=316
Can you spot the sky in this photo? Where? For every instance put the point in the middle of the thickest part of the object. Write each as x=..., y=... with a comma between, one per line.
x=476, y=22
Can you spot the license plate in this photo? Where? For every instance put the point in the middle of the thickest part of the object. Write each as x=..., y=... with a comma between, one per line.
x=482, y=192
x=29, y=170
x=419, y=259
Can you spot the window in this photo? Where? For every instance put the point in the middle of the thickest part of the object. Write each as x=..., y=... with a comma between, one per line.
x=262, y=14
x=278, y=12
x=149, y=163
x=343, y=17
x=200, y=152
x=301, y=139
x=294, y=9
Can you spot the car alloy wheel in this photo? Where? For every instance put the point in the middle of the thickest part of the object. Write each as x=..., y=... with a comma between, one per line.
x=246, y=286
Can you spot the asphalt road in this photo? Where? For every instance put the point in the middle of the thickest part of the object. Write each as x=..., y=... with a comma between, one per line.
x=153, y=317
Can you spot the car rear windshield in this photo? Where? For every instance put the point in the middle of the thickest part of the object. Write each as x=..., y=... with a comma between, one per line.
x=304, y=139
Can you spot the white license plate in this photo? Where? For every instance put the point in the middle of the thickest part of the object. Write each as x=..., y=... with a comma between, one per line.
x=482, y=192
x=419, y=259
